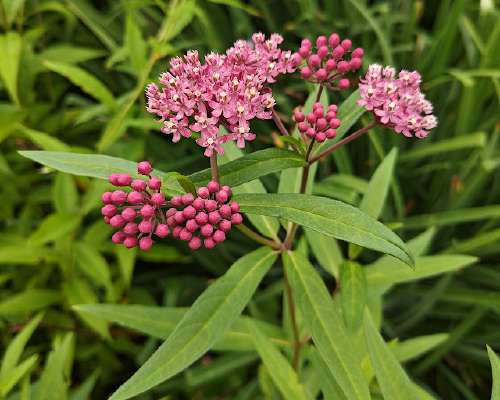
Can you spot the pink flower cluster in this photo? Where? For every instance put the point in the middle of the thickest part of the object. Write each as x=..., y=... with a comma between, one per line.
x=229, y=90
x=329, y=63
x=397, y=102
x=136, y=214
x=318, y=125
x=209, y=216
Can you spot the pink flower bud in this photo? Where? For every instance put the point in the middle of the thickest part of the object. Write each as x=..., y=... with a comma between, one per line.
x=113, y=179
x=225, y=225
x=207, y=230
x=344, y=83
x=130, y=241
x=144, y=168
x=214, y=217
x=311, y=132
x=117, y=221
x=194, y=243
x=134, y=198
x=296, y=59
x=355, y=63
x=318, y=112
x=209, y=243
x=346, y=44
x=131, y=228
x=203, y=192
x=138, y=185
x=154, y=183
x=323, y=52
x=306, y=43
x=321, y=41
x=187, y=199
x=314, y=60
x=227, y=189
x=311, y=118
x=331, y=133
x=176, y=201
x=145, y=243
x=170, y=212
x=320, y=137
x=305, y=72
x=118, y=237
x=145, y=226
x=304, y=52
x=179, y=217
x=330, y=65
x=191, y=225
x=358, y=53
x=109, y=210
x=331, y=115
x=236, y=219
x=124, y=179
x=118, y=197
x=213, y=186
x=198, y=204
x=343, y=66
x=176, y=231
x=225, y=211
x=219, y=236
x=129, y=214
x=210, y=205
x=147, y=211
x=334, y=123
x=332, y=108
x=221, y=196
x=106, y=197
x=338, y=52
x=162, y=231
x=201, y=218
x=321, y=124
x=158, y=199
x=298, y=116
x=106, y=220
x=235, y=207
x=185, y=235
x=321, y=74
x=189, y=212
x=334, y=40
x=302, y=126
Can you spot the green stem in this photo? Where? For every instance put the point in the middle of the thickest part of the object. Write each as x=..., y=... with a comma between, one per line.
x=297, y=343
x=276, y=245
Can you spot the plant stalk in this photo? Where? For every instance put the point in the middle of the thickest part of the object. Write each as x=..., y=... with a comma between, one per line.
x=258, y=238
x=297, y=342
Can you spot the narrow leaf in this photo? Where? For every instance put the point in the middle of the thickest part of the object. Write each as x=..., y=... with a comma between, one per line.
x=352, y=294
x=495, y=372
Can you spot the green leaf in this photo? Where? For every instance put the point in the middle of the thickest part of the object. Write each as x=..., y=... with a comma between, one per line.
x=282, y=373
x=352, y=294
x=389, y=272
x=16, y=346
x=9, y=380
x=135, y=44
x=179, y=16
x=28, y=301
x=93, y=264
x=375, y=197
x=206, y=321
x=391, y=377
x=65, y=194
x=71, y=54
x=22, y=254
x=10, y=49
x=159, y=322
x=53, y=227
x=86, y=81
x=415, y=347
x=325, y=324
x=330, y=217
x=495, y=372
x=329, y=387
x=43, y=140
x=238, y=4
x=252, y=166
x=326, y=250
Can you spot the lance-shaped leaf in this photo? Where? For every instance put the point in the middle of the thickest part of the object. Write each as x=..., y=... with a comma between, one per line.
x=495, y=372
x=352, y=294
x=326, y=326
x=330, y=217
x=207, y=320
x=282, y=373
x=391, y=377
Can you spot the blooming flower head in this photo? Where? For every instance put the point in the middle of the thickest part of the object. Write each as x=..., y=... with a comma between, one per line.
x=329, y=64
x=397, y=102
x=317, y=124
x=228, y=90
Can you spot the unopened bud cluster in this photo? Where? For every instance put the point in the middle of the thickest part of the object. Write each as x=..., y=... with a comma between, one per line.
x=205, y=219
x=142, y=212
x=331, y=61
x=318, y=124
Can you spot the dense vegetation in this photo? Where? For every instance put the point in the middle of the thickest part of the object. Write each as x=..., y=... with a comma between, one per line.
x=73, y=75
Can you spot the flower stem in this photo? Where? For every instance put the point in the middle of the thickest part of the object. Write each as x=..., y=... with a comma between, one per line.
x=320, y=92
x=214, y=168
x=279, y=124
x=297, y=343
x=276, y=245
x=343, y=142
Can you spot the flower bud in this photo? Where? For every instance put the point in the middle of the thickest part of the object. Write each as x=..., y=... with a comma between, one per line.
x=201, y=218
x=158, y=199
x=219, y=236
x=154, y=183
x=209, y=243
x=106, y=197
x=130, y=241
x=162, y=230
x=144, y=168
x=213, y=186
x=117, y=221
x=138, y=185
x=344, y=83
x=207, y=230
x=129, y=214
x=118, y=237
x=145, y=226
x=189, y=212
x=134, y=198
x=187, y=199
x=145, y=243
x=147, y=211
x=333, y=40
x=194, y=243
x=236, y=219
x=203, y=192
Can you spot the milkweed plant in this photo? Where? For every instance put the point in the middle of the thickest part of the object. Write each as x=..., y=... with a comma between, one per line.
x=213, y=102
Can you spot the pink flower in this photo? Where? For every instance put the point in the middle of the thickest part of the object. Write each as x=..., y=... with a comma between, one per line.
x=397, y=102
x=230, y=89
x=318, y=124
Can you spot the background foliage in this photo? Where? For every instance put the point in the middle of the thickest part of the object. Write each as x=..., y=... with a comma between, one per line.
x=72, y=79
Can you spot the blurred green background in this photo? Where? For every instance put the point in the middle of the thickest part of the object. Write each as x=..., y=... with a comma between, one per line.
x=73, y=74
